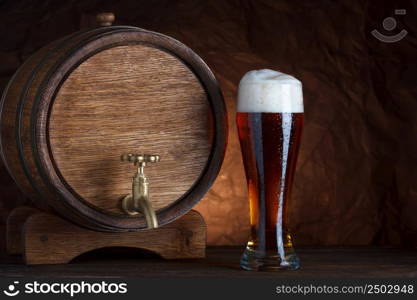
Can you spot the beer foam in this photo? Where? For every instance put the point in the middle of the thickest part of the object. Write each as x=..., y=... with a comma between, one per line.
x=270, y=91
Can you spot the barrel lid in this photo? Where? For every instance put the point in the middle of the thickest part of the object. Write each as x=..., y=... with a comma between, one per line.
x=129, y=90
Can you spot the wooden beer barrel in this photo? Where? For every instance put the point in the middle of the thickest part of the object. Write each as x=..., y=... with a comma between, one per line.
x=76, y=105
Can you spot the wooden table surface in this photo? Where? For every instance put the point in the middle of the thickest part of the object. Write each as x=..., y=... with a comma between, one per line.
x=330, y=262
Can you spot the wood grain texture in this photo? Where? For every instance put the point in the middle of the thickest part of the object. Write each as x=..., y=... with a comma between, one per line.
x=16, y=108
x=10, y=110
x=14, y=226
x=51, y=240
x=130, y=99
x=70, y=125
x=27, y=108
x=223, y=262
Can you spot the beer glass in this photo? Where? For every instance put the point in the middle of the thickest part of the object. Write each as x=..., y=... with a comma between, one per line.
x=269, y=121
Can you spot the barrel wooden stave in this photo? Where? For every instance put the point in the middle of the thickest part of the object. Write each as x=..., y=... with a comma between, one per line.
x=53, y=69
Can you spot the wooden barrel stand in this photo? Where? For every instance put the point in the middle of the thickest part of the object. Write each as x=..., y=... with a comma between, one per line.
x=44, y=238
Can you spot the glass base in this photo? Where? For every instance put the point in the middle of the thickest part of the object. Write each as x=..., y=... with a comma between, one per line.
x=253, y=260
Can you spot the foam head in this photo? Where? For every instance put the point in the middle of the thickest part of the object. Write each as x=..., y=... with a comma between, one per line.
x=270, y=91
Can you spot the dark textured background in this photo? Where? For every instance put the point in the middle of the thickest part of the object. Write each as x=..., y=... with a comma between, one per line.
x=356, y=181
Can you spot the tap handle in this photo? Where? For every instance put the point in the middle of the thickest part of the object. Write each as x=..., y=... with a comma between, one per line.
x=140, y=158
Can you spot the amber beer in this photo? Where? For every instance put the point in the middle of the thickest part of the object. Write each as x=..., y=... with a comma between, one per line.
x=270, y=122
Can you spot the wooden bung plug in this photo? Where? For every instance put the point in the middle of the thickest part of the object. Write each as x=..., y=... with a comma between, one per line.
x=105, y=19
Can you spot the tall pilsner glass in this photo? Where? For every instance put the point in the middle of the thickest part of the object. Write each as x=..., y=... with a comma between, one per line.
x=269, y=120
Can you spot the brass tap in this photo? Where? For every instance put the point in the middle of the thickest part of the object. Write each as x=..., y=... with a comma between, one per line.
x=138, y=201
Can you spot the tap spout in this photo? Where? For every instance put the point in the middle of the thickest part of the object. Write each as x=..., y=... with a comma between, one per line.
x=138, y=201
